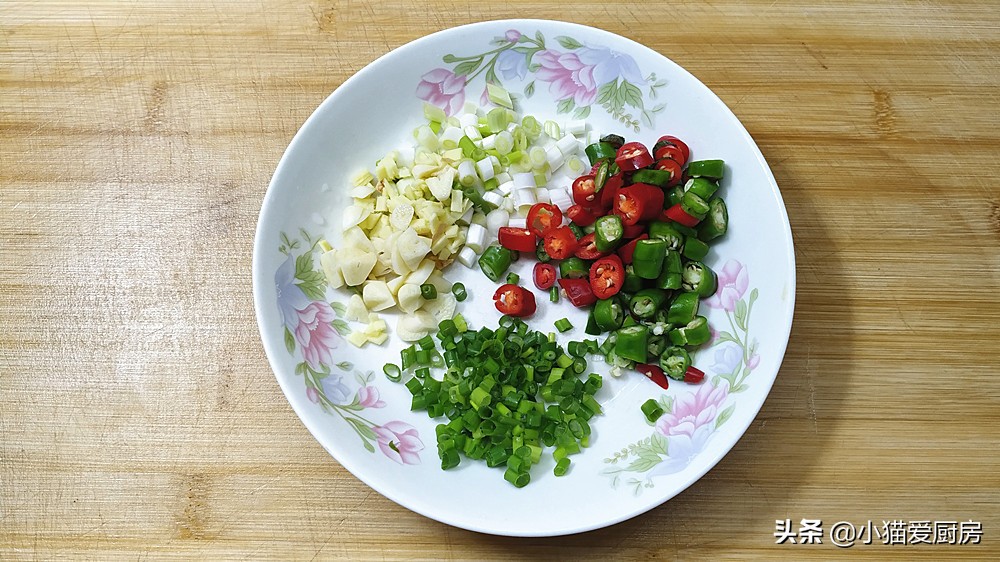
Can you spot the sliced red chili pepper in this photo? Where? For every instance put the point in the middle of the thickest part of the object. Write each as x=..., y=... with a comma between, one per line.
x=587, y=248
x=654, y=374
x=517, y=239
x=626, y=251
x=543, y=216
x=631, y=231
x=672, y=152
x=610, y=190
x=606, y=276
x=580, y=215
x=680, y=216
x=672, y=166
x=585, y=191
x=514, y=301
x=544, y=275
x=694, y=375
x=639, y=202
x=560, y=242
x=633, y=156
x=578, y=291
x=670, y=140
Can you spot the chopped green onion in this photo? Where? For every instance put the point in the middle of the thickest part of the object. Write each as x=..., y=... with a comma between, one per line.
x=551, y=129
x=428, y=291
x=499, y=95
x=434, y=113
x=652, y=410
x=563, y=325
x=513, y=278
x=458, y=290
x=554, y=294
x=562, y=466
x=392, y=372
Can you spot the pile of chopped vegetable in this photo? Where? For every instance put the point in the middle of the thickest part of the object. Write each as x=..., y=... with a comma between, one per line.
x=427, y=205
x=507, y=393
x=632, y=254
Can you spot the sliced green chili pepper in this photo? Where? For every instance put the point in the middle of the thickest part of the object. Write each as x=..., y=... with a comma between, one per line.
x=495, y=261
x=541, y=254
x=685, y=230
x=573, y=268
x=694, y=205
x=704, y=188
x=659, y=230
x=683, y=309
x=577, y=231
x=646, y=302
x=694, y=249
x=629, y=321
x=670, y=277
x=608, y=232
x=659, y=178
x=633, y=282
x=600, y=150
x=674, y=195
x=699, y=278
x=655, y=346
x=592, y=328
x=614, y=140
x=609, y=314
x=716, y=221
x=428, y=291
x=714, y=169
x=631, y=343
x=601, y=176
x=675, y=361
x=696, y=332
x=647, y=260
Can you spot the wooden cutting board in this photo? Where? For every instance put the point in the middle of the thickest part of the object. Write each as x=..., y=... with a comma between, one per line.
x=139, y=417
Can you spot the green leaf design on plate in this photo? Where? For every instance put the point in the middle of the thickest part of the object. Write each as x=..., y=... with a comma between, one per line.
x=540, y=38
x=289, y=341
x=342, y=327
x=724, y=415
x=339, y=308
x=607, y=91
x=658, y=443
x=741, y=314
x=643, y=463
x=581, y=112
x=369, y=446
x=362, y=429
x=467, y=67
x=345, y=365
x=568, y=42
x=631, y=94
x=529, y=90
x=565, y=106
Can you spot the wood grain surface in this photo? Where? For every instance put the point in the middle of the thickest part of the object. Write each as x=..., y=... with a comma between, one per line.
x=140, y=419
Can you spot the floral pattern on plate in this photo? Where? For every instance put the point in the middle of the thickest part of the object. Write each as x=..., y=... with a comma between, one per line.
x=690, y=419
x=314, y=327
x=578, y=76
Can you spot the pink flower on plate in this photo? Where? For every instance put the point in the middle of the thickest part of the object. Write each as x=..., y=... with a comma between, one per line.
x=732, y=284
x=399, y=441
x=313, y=395
x=753, y=361
x=513, y=35
x=368, y=397
x=567, y=76
x=315, y=334
x=441, y=87
x=689, y=425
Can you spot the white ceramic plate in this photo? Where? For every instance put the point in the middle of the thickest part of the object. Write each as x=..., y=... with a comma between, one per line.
x=339, y=391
